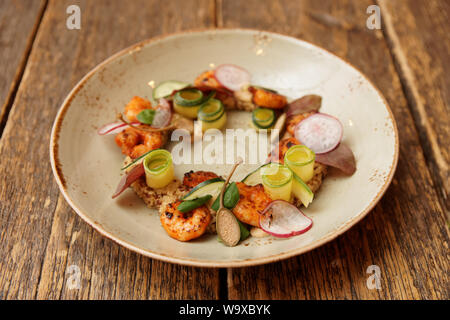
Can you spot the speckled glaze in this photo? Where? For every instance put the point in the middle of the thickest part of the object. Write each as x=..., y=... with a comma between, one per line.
x=87, y=166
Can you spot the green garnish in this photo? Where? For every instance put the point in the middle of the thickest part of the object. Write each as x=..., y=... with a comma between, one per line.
x=146, y=116
x=230, y=198
x=137, y=159
x=244, y=231
x=189, y=205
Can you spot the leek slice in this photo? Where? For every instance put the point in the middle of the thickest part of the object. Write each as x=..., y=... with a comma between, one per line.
x=187, y=102
x=300, y=159
x=277, y=181
x=263, y=118
x=158, y=168
x=212, y=115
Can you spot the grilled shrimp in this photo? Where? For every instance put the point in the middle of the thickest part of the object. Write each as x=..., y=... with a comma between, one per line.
x=127, y=139
x=191, y=178
x=277, y=154
x=135, y=106
x=185, y=226
x=268, y=99
x=291, y=122
x=252, y=201
x=207, y=79
x=135, y=143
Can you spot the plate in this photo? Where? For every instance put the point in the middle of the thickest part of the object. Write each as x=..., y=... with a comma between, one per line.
x=87, y=166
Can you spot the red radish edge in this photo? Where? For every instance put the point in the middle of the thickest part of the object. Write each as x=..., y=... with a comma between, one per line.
x=318, y=145
x=113, y=128
x=135, y=173
x=164, y=104
x=265, y=221
x=163, y=114
x=232, y=77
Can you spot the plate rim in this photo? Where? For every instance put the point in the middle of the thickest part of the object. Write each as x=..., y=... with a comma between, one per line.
x=59, y=177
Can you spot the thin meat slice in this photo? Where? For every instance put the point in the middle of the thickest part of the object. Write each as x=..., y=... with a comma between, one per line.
x=342, y=158
x=308, y=103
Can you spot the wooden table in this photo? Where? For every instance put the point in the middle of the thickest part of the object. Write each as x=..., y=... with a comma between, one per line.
x=406, y=235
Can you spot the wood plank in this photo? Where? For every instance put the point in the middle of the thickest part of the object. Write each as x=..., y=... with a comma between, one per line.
x=417, y=32
x=41, y=237
x=406, y=234
x=19, y=21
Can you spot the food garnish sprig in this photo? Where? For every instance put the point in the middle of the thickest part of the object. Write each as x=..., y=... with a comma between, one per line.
x=227, y=225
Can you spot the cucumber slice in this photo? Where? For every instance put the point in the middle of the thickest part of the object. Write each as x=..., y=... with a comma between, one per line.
x=211, y=187
x=254, y=177
x=165, y=89
x=211, y=110
x=263, y=118
x=277, y=181
x=301, y=191
x=189, y=97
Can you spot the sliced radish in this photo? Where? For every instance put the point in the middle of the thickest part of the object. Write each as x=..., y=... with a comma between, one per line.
x=164, y=104
x=232, y=77
x=114, y=128
x=163, y=114
x=135, y=173
x=319, y=132
x=282, y=219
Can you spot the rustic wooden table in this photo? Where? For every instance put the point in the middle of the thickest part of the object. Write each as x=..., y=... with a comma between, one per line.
x=406, y=235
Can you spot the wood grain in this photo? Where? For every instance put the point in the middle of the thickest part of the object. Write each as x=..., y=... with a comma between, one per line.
x=41, y=237
x=19, y=20
x=406, y=234
x=418, y=34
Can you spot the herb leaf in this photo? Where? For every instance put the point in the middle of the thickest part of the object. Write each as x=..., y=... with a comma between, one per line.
x=230, y=198
x=146, y=116
x=189, y=205
x=244, y=231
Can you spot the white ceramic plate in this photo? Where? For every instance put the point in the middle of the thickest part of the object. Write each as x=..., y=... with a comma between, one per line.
x=87, y=166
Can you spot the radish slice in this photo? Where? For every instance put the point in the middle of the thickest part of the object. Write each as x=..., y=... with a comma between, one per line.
x=129, y=178
x=282, y=219
x=164, y=104
x=232, y=77
x=319, y=132
x=114, y=128
x=163, y=114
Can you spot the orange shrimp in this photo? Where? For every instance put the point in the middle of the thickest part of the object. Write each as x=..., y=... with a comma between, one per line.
x=207, y=79
x=252, y=201
x=127, y=139
x=191, y=178
x=185, y=226
x=268, y=99
x=135, y=106
x=135, y=143
x=277, y=155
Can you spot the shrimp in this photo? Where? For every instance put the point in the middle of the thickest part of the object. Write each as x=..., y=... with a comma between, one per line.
x=294, y=120
x=277, y=155
x=185, y=226
x=134, y=143
x=135, y=106
x=191, y=178
x=252, y=201
x=127, y=139
x=268, y=99
x=207, y=79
